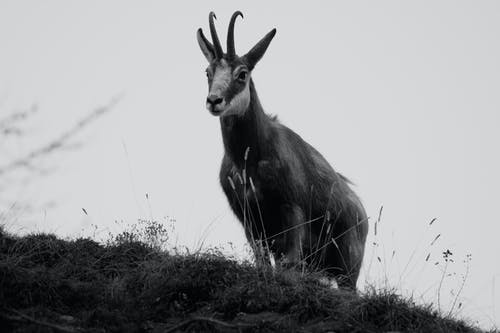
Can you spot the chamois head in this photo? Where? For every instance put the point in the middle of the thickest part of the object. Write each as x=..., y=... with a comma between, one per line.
x=228, y=74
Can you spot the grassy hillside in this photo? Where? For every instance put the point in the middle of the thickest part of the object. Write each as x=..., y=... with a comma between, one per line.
x=129, y=285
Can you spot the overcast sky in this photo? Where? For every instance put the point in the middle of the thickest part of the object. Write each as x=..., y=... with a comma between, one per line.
x=403, y=98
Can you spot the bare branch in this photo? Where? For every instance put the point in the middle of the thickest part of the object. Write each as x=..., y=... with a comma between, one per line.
x=59, y=142
x=8, y=122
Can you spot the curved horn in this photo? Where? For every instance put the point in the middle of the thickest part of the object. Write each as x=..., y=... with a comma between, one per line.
x=215, y=38
x=230, y=34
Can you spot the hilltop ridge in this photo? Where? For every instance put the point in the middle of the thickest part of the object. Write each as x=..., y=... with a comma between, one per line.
x=48, y=284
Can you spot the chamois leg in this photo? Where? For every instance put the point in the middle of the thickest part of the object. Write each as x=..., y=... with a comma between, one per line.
x=290, y=249
x=344, y=262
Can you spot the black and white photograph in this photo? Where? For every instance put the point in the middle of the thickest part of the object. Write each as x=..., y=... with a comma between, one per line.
x=237, y=166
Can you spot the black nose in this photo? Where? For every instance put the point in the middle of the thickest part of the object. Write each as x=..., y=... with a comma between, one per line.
x=214, y=100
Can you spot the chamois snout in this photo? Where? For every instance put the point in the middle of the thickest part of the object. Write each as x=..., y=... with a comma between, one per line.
x=213, y=103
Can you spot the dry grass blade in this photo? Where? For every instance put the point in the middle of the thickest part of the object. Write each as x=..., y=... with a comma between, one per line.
x=435, y=239
x=21, y=317
x=294, y=227
x=215, y=322
x=378, y=219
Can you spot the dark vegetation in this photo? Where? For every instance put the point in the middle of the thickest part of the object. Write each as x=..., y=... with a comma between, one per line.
x=131, y=285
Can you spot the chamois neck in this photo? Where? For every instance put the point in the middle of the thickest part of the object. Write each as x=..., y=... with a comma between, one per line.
x=248, y=129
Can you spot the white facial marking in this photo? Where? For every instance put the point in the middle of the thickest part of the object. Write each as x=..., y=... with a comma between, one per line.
x=222, y=79
x=220, y=83
x=239, y=103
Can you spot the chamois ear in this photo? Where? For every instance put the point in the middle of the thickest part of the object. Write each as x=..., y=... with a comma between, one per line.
x=255, y=54
x=206, y=47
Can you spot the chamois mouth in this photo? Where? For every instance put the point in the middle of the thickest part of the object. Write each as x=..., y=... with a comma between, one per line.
x=215, y=113
x=216, y=110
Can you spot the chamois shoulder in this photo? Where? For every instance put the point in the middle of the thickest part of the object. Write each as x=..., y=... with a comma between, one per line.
x=292, y=144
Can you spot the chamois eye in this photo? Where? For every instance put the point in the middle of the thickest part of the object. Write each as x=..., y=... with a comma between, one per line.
x=243, y=75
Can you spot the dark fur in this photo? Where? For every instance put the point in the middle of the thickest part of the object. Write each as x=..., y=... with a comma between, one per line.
x=294, y=184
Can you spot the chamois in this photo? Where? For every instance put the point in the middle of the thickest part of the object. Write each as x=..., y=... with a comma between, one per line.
x=281, y=189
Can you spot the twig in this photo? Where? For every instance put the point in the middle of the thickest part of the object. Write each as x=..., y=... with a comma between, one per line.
x=375, y=243
x=441, y=285
x=21, y=317
x=405, y=269
x=207, y=320
x=8, y=122
x=459, y=290
x=60, y=141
